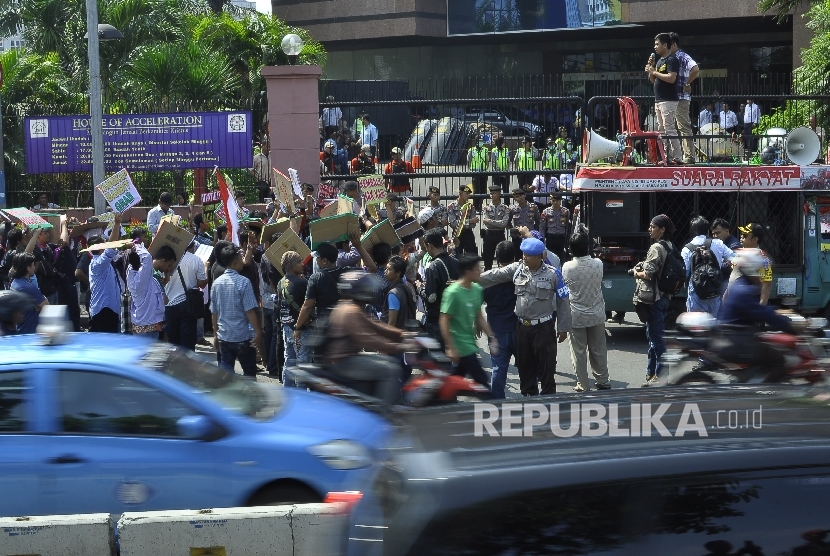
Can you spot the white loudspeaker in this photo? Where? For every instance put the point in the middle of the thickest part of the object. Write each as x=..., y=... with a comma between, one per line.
x=802, y=146
x=598, y=147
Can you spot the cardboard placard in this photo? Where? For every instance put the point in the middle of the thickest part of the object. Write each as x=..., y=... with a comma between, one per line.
x=342, y=205
x=284, y=190
x=26, y=217
x=373, y=189
x=119, y=191
x=408, y=229
x=329, y=210
x=109, y=218
x=55, y=221
x=118, y=244
x=210, y=204
x=288, y=241
x=203, y=251
x=172, y=218
x=277, y=227
x=170, y=234
x=382, y=232
x=81, y=229
x=333, y=229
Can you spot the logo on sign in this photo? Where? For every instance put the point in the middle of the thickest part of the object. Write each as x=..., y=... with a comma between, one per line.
x=237, y=123
x=39, y=129
x=613, y=204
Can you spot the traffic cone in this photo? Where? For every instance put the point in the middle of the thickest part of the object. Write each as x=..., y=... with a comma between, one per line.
x=416, y=158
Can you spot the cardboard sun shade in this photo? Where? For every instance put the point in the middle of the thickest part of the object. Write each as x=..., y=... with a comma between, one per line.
x=170, y=234
x=55, y=221
x=277, y=227
x=288, y=241
x=80, y=229
x=342, y=205
x=383, y=232
x=27, y=217
x=172, y=218
x=118, y=244
x=333, y=229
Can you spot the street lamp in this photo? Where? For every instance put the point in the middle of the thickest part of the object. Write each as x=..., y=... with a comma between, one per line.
x=104, y=33
x=292, y=45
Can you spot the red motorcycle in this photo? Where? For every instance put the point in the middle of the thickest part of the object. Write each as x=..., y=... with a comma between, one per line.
x=434, y=385
x=723, y=357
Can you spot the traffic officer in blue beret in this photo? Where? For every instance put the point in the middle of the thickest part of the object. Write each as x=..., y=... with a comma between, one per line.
x=542, y=307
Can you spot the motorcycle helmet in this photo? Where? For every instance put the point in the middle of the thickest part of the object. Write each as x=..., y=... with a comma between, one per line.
x=13, y=303
x=748, y=261
x=768, y=155
x=697, y=322
x=360, y=286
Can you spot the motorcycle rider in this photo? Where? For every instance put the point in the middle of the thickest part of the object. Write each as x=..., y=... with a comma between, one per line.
x=350, y=331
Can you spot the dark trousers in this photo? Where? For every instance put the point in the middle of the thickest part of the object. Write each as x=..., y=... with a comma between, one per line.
x=536, y=357
x=466, y=243
x=750, y=141
x=68, y=295
x=433, y=330
x=504, y=181
x=243, y=351
x=517, y=243
x=105, y=320
x=491, y=239
x=263, y=190
x=480, y=188
x=271, y=344
x=469, y=365
x=179, y=326
x=556, y=244
x=525, y=180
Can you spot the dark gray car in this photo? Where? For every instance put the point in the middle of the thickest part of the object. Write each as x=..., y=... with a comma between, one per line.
x=496, y=117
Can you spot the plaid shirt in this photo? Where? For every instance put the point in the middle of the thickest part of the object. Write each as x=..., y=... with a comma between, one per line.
x=686, y=65
x=230, y=297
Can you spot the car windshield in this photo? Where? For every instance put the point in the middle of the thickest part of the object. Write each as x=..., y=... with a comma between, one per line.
x=203, y=375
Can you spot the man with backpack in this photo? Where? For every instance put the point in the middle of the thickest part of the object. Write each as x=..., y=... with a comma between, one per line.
x=442, y=270
x=704, y=257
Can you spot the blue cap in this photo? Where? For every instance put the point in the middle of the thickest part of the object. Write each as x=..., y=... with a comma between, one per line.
x=532, y=246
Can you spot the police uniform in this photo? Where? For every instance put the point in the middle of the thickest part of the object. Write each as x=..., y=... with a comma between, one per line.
x=522, y=216
x=467, y=240
x=543, y=309
x=478, y=158
x=525, y=161
x=496, y=220
x=553, y=226
x=501, y=163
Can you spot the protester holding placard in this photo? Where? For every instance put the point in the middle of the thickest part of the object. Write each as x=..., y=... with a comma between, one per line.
x=23, y=271
x=179, y=323
x=162, y=209
x=145, y=281
x=47, y=277
x=105, y=289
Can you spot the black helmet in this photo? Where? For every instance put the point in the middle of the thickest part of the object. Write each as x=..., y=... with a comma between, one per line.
x=360, y=286
x=769, y=154
x=12, y=302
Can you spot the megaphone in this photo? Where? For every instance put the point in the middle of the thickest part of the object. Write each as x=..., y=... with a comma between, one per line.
x=802, y=146
x=596, y=147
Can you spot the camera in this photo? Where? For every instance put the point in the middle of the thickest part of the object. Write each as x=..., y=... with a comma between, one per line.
x=631, y=272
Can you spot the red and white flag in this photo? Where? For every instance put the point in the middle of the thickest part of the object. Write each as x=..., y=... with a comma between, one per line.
x=230, y=206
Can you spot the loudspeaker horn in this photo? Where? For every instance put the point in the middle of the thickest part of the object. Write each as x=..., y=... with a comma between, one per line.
x=802, y=146
x=597, y=147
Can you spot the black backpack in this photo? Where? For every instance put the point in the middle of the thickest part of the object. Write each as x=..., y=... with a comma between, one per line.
x=706, y=278
x=673, y=274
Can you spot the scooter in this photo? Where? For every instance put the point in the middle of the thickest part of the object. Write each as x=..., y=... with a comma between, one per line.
x=436, y=385
x=805, y=355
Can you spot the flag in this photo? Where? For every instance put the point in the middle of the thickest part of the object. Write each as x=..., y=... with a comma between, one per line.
x=231, y=208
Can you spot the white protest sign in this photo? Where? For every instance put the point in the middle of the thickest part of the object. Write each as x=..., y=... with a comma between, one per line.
x=284, y=190
x=295, y=182
x=119, y=191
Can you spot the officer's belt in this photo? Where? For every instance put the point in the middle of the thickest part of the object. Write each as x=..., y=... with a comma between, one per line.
x=534, y=322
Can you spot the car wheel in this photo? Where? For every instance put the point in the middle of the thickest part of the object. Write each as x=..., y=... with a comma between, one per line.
x=280, y=495
x=695, y=377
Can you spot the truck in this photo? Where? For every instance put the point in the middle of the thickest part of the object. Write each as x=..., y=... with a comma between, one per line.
x=793, y=202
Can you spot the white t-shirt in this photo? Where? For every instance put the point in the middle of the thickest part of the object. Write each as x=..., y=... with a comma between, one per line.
x=193, y=269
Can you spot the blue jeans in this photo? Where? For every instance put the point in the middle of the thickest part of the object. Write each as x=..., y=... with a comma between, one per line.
x=271, y=332
x=245, y=352
x=711, y=306
x=655, y=328
x=294, y=356
x=507, y=348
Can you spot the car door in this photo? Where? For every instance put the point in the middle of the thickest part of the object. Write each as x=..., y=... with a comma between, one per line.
x=20, y=447
x=117, y=448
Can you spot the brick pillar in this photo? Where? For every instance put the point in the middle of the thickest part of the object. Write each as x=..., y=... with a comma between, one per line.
x=293, y=119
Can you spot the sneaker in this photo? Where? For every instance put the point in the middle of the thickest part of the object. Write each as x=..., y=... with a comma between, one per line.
x=203, y=342
x=604, y=386
x=578, y=388
x=650, y=380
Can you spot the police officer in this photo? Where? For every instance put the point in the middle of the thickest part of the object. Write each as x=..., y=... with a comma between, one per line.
x=501, y=163
x=554, y=224
x=496, y=219
x=522, y=213
x=462, y=220
x=543, y=309
x=478, y=160
x=525, y=161
x=552, y=159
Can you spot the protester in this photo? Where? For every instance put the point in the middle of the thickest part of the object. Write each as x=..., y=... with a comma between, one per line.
x=179, y=322
x=46, y=275
x=442, y=269
x=704, y=258
x=66, y=261
x=651, y=304
x=146, y=277
x=236, y=322
x=292, y=289
x=23, y=270
x=105, y=288
x=269, y=277
x=501, y=315
x=162, y=209
x=201, y=230
x=583, y=276
x=14, y=306
x=399, y=306
x=663, y=74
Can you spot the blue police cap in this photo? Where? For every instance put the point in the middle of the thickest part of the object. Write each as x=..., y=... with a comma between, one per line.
x=532, y=246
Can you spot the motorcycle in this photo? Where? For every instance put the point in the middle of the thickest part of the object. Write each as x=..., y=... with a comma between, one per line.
x=436, y=385
x=805, y=355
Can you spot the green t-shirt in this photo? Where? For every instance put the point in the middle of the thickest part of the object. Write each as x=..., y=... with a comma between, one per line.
x=463, y=305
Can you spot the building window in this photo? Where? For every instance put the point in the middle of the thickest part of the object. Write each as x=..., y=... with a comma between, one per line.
x=771, y=59
x=499, y=16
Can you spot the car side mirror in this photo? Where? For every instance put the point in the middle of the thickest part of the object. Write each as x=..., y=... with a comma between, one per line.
x=195, y=427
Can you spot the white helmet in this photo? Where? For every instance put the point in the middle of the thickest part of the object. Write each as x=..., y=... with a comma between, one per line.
x=697, y=322
x=749, y=261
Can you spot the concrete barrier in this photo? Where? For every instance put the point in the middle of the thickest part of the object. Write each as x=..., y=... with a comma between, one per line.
x=57, y=535
x=299, y=530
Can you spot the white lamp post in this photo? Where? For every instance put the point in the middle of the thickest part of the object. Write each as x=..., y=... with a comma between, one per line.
x=292, y=45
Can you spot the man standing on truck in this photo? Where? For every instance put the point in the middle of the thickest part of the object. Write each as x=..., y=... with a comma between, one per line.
x=663, y=74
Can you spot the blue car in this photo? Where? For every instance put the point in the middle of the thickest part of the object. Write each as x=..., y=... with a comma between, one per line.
x=111, y=423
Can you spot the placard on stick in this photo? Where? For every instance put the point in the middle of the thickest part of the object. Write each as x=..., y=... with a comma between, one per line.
x=170, y=234
x=119, y=191
x=333, y=229
x=284, y=190
x=373, y=189
x=288, y=241
x=382, y=232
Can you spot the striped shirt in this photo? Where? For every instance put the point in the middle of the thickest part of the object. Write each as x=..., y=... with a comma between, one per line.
x=230, y=297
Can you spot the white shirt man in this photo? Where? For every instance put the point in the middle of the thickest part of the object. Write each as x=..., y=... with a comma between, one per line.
x=706, y=117
x=752, y=114
x=193, y=271
x=541, y=185
x=728, y=119
x=369, y=135
x=332, y=116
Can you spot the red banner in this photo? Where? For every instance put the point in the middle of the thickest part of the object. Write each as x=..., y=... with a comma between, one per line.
x=689, y=178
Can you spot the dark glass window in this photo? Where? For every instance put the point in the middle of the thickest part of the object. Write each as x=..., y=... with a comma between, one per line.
x=104, y=404
x=13, y=392
x=748, y=515
x=499, y=16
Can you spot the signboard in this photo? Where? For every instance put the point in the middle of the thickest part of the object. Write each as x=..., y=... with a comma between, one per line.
x=26, y=217
x=333, y=229
x=210, y=204
x=140, y=142
x=119, y=191
x=373, y=189
x=343, y=205
x=711, y=178
x=284, y=190
x=170, y=234
x=288, y=241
